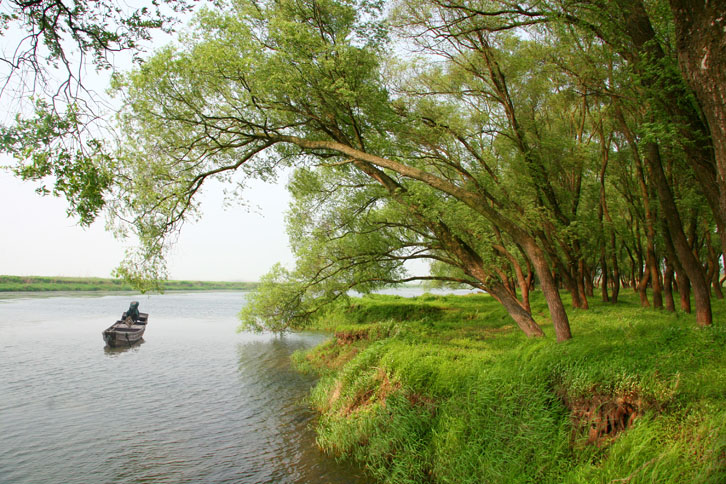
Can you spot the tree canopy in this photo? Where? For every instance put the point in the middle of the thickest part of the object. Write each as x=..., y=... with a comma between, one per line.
x=56, y=126
x=556, y=144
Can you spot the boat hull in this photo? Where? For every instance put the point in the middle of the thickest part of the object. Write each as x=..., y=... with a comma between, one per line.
x=122, y=334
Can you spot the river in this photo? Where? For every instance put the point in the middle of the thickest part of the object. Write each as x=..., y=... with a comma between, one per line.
x=195, y=402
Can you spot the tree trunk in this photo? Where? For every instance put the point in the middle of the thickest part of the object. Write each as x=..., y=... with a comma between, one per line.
x=639, y=255
x=580, y=283
x=522, y=281
x=616, y=271
x=523, y=318
x=684, y=291
x=549, y=288
x=688, y=261
x=684, y=287
x=571, y=286
x=668, y=287
x=701, y=45
x=655, y=277
x=651, y=261
x=642, y=288
x=588, y=278
x=603, y=212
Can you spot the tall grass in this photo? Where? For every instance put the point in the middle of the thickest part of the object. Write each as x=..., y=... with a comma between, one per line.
x=447, y=390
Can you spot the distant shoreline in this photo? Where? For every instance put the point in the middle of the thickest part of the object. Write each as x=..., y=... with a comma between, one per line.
x=48, y=284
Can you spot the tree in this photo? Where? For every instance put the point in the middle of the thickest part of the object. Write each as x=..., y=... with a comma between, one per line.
x=545, y=128
x=296, y=83
x=349, y=232
x=640, y=36
x=701, y=44
x=51, y=43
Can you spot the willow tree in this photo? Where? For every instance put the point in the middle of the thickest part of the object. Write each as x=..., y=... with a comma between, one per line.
x=640, y=33
x=282, y=82
x=57, y=134
x=349, y=232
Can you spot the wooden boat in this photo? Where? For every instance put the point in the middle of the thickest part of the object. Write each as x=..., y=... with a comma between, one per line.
x=121, y=333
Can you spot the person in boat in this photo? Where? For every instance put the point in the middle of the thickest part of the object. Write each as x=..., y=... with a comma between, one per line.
x=132, y=314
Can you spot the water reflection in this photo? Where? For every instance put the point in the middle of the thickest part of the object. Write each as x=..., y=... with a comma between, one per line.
x=275, y=396
x=198, y=403
x=117, y=350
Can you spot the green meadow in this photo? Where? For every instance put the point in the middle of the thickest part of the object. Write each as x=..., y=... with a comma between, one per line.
x=38, y=283
x=445, y=389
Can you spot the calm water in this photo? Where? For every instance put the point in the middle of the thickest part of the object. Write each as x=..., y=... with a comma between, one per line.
x=194, y=403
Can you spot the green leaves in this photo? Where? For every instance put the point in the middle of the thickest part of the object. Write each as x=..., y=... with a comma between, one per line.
x=251, y=74
x=51, y=147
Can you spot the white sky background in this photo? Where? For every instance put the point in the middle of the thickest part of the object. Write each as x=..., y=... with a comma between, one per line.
x=228, y=243
x=236, y=243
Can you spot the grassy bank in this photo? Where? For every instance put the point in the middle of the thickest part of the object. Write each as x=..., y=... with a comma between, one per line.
x=36, y=284
x=445, y=389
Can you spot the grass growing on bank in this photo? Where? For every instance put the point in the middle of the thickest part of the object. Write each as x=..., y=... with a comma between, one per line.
x=445, y=389
x=37, y=284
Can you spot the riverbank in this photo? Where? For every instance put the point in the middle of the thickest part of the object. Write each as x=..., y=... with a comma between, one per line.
x=42, y=283
x=445, y=389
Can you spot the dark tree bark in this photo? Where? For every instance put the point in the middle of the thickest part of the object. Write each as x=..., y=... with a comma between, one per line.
x=549, y=288
x=616, y=274
x=654, y=274
x=588, y=278
x=684, y=286
x=514, y=309
x=701, y=44
x=651, y=267
x=642, y=288
x=522, y=281
x=684, y=291
x=699, y=32
x=688, y=261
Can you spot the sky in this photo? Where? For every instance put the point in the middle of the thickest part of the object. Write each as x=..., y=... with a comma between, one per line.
x=228, y=243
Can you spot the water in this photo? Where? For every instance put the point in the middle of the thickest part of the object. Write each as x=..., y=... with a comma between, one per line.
x=195, y=402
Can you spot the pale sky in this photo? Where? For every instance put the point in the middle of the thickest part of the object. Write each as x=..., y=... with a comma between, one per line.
x=233, y=243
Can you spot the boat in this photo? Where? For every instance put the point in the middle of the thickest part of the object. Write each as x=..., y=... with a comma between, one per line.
x=124, y=332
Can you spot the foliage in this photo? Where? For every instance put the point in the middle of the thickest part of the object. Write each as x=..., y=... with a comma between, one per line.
x=54, y=28
x=57, y=134
x=82, y=174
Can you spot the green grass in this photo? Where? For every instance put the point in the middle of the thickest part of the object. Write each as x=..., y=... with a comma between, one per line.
x=38, y=284
x=447, y=390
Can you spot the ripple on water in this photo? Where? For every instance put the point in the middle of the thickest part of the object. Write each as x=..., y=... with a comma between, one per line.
x=194, y=403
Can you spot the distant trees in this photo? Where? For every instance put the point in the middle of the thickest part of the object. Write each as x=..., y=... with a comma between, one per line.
x=505, y=142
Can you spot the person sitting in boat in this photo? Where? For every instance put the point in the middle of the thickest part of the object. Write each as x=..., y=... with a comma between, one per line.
x=132, y=314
